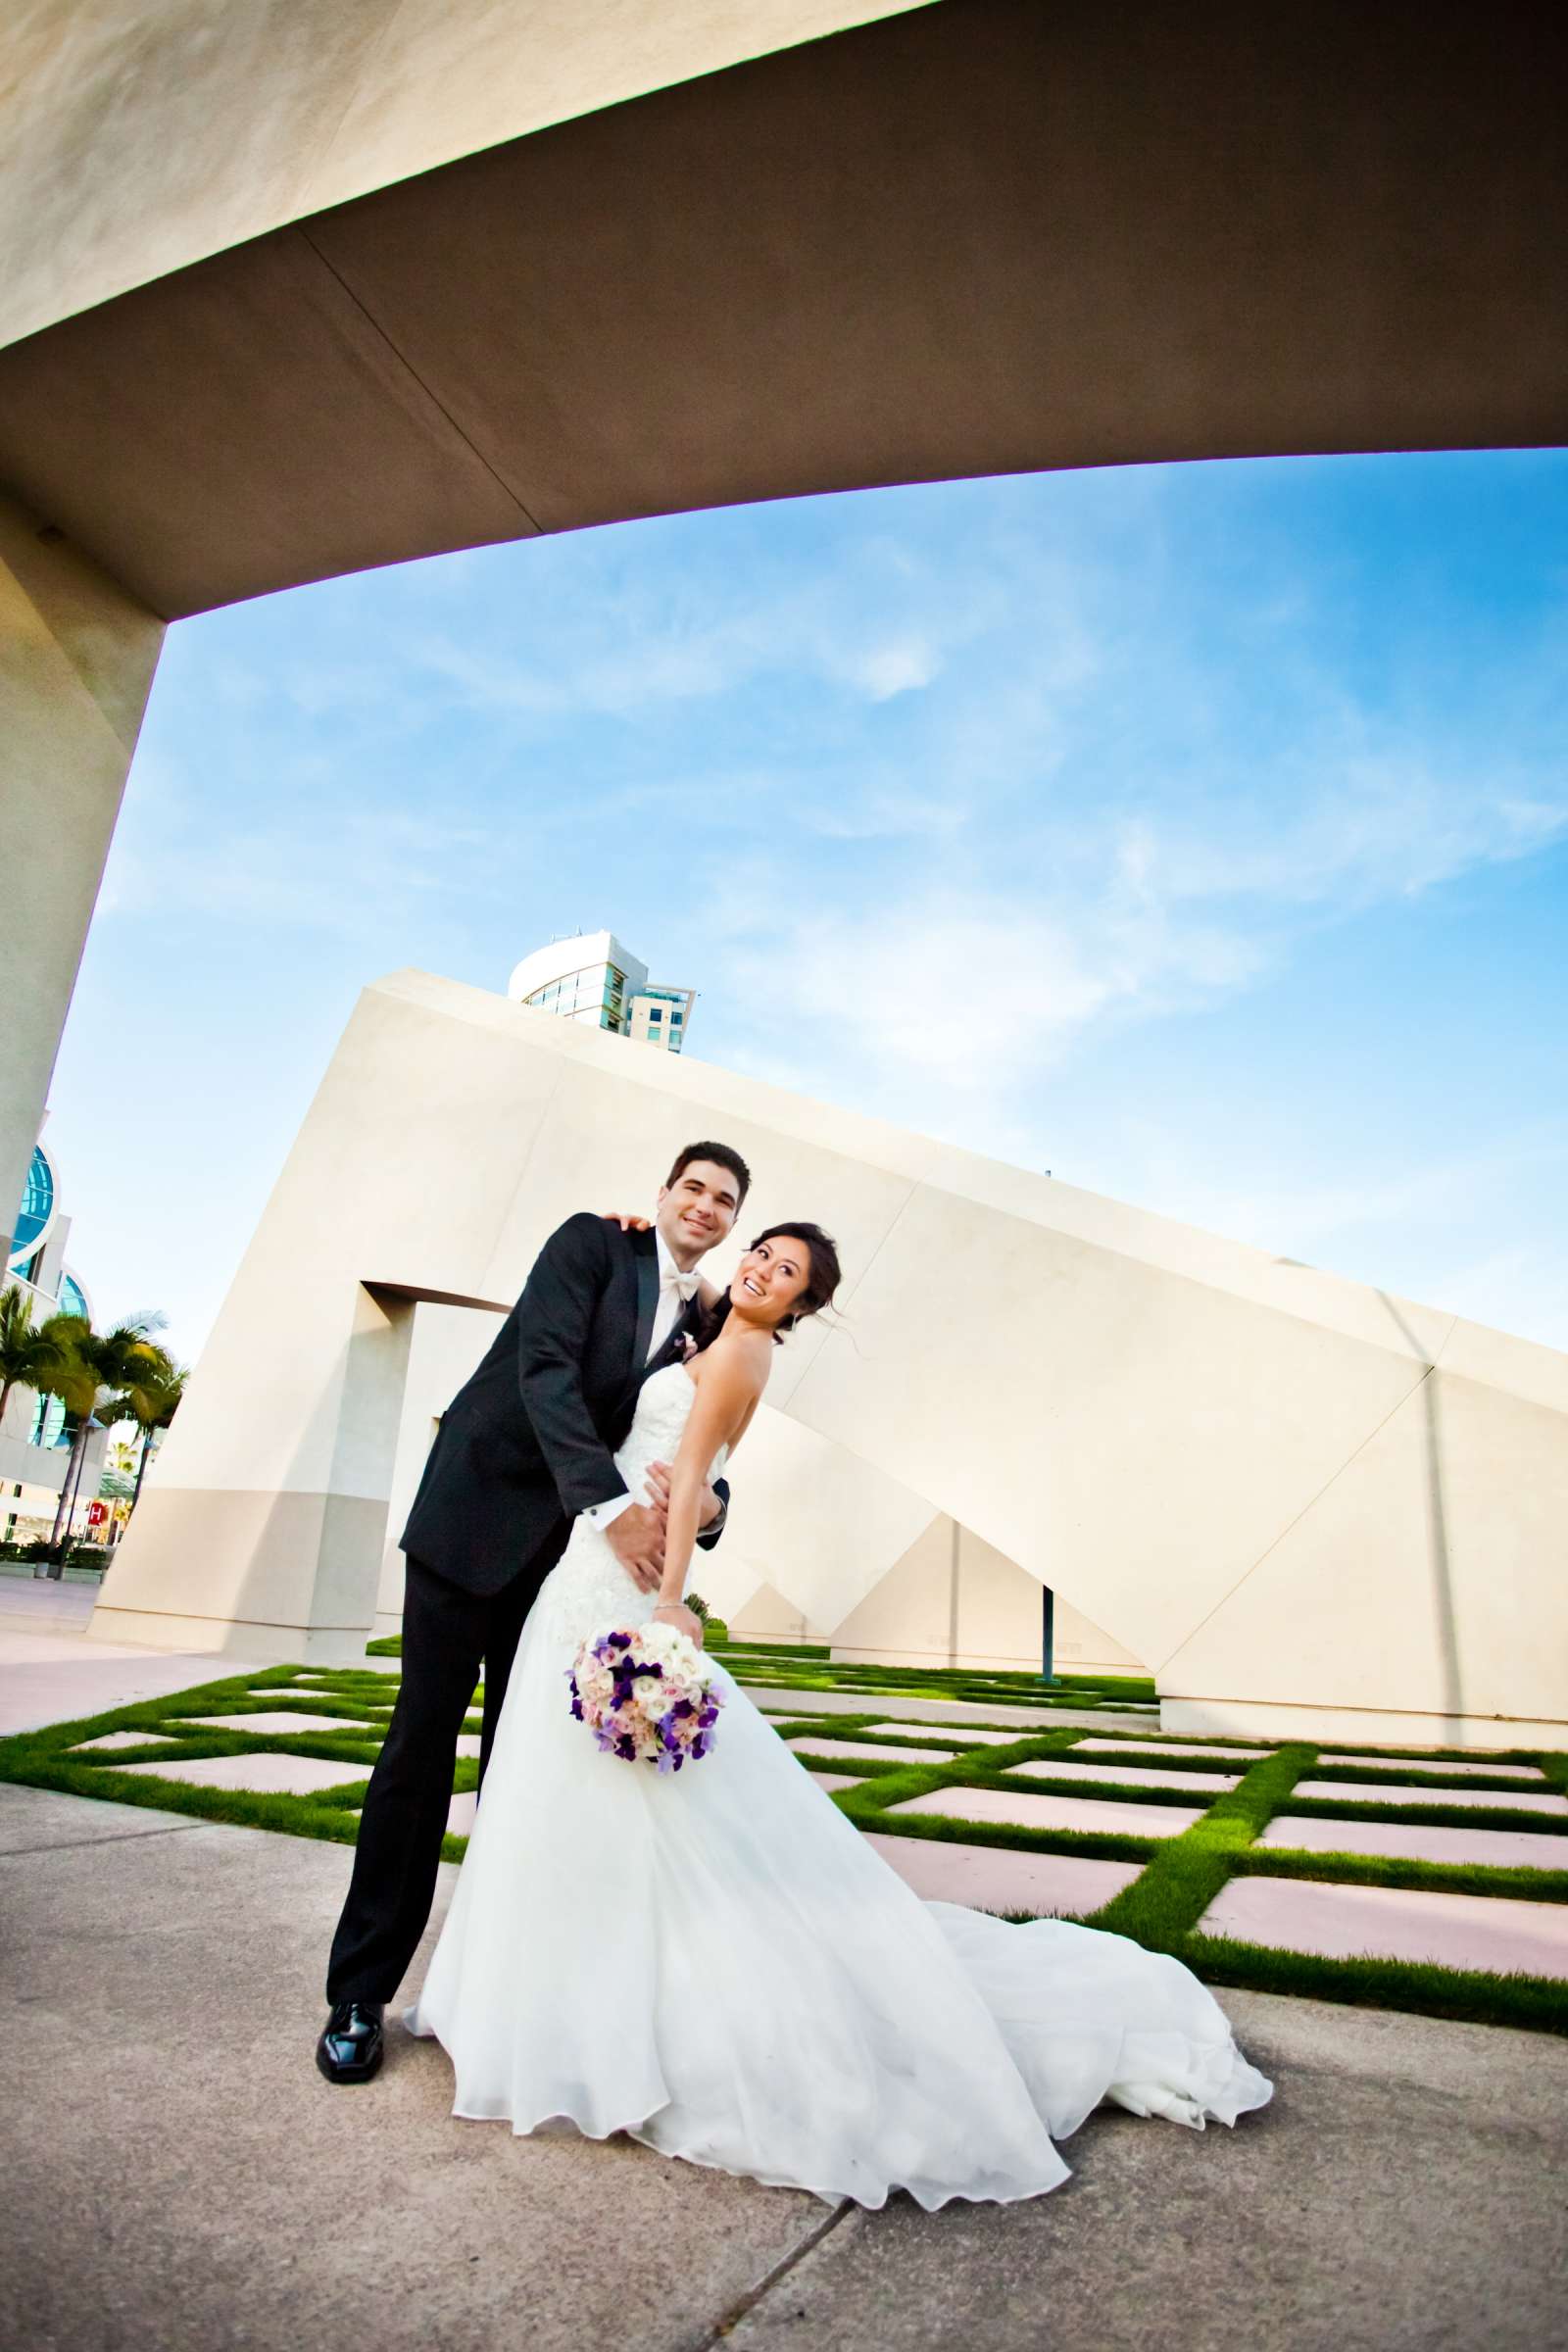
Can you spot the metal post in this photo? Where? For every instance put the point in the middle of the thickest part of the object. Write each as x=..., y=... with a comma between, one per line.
x=1048, y=1638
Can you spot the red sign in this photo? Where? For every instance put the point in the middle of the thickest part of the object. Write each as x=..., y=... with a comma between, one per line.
x=97, y=1514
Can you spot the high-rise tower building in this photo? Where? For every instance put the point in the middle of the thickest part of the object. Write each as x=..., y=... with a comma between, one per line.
x=591, y=977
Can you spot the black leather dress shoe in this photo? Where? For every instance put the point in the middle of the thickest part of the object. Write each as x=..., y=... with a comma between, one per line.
x=351, y=2047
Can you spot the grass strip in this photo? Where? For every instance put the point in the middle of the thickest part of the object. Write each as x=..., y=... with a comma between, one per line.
x=1481, y=1996
x=863, y=1730
x=1165, y=1902
x=738, y=1647
x=942, y=1682
x=340, y=1709
x=328, y=1813
x=945, y=1829
x=1402, y=1871
x=925, y=1733
x=1117, y=1792
x=868, y=1805
x=864, y=1674
x=1178, y=1879
x=1153, y=1746
x=196, y=1748
x=42, y=1759
x=1433, y=1816
x=1351, y=1777
x=1428, y=1759
x=809, y=1666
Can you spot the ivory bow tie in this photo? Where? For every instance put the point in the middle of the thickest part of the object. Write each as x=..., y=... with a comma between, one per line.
x=684, y=1285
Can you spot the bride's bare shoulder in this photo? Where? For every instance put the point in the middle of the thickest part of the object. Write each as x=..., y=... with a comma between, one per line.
x=738, y=1363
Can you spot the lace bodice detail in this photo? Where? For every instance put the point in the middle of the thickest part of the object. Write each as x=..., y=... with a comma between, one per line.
x=589, y=1589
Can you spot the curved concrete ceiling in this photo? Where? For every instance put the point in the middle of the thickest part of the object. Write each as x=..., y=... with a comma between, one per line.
x=978, y=237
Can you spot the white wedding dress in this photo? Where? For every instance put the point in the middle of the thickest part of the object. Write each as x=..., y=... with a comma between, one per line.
x=718, y=1963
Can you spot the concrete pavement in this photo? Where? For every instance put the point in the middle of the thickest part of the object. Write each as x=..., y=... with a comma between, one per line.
x=178, y=2178
x=48, y=1674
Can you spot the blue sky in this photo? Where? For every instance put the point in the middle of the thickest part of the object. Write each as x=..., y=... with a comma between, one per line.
x=1199, y=833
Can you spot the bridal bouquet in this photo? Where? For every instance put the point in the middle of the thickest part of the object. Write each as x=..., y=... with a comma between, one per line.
x=646, y=1695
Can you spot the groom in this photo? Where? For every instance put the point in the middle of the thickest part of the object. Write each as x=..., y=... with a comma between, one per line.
x=524, y=1448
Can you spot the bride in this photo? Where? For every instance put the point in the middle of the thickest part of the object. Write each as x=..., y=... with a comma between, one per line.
x=717, y=1962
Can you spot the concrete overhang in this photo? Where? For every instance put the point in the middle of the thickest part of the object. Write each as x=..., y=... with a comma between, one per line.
x=979, y=237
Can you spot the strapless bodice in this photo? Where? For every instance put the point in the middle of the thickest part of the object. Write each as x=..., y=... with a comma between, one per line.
x=589, y=1590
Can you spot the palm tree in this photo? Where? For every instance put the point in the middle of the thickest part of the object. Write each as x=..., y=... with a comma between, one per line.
x=97, y=1366
x=152, y=1404
x=27, y=1357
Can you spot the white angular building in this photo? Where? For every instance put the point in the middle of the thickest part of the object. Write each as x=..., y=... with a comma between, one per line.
x=1308, y=1507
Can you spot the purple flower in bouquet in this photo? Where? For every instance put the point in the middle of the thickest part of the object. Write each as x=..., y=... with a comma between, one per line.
x=646, y=1695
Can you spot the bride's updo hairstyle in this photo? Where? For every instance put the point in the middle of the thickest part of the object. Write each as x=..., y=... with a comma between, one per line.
x=820, y=1289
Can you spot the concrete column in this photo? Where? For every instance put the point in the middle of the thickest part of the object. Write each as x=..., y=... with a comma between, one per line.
x=446, y=1344
x=77, y=660
x=290, y=1571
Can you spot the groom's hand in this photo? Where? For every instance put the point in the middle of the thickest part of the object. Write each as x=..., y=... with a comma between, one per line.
x=636, y=1537
x=709, y=1506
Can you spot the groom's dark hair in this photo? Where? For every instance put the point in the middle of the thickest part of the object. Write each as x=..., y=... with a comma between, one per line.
x=722, y=1158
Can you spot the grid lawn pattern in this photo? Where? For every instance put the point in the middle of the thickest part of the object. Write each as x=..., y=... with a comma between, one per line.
x=1237, y=1789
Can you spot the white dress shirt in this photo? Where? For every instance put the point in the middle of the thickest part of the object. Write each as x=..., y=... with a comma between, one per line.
x=675, y=1289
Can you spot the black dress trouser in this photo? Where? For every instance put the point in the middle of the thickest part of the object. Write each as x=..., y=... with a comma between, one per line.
x=446, y=1635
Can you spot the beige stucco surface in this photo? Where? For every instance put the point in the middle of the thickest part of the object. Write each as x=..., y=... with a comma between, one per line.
x=297, y=287
x=290, y=290
x=953, y=1599
x=1224, y=1459
x=228, y=120
x=820, y=1546
x=76, y=660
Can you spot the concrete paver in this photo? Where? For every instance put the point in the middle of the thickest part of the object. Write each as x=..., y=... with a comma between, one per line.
x=267, y=1721
x=60, y=1677
x=1393, y=1922
x=1430, y=1761
x=933, y=1711
x=105, y=1740
x=35, y=1820
x=1404, y=2167
x=1390, y=1793
x=1172, y=1750
x=1510, y=1849
x=221, y=2195
x=1402, y=2193
x=1030, y=1812
x=1137, y=1775
x=962, y=1735
x=995, y=1878
x=310, y=1691
x=867, y=1751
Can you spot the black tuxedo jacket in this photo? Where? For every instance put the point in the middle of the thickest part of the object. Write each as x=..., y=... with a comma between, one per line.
x=526, y=1442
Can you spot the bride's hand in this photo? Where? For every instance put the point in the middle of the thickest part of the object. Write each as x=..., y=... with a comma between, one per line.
x=628, y=1222
x=657, y=1487
x=684, y=1620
